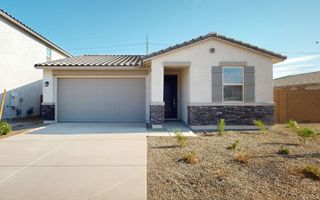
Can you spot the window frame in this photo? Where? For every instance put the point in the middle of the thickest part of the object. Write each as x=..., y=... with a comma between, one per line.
x=48, y=58
x=233, y=84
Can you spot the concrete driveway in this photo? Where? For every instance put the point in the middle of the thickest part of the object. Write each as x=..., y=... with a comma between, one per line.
x=75, y=161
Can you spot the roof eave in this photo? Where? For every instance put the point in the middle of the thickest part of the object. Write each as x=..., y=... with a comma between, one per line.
x=276, y=58
x=90, y=67
x=33, y=33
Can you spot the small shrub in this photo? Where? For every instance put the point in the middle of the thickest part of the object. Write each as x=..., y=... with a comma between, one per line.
x=306, y=133
x=221, y=126
x=293, y=125
x=258, y=123
x=242, y=157
x=181, y=139
x=5, y=128
x=284, y=150
x=312, y=171
x=190, y=157
x=234, y=145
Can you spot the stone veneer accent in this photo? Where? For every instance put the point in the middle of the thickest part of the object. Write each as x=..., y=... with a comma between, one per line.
x=47, y=112
x=233, y=115
x=156, y=114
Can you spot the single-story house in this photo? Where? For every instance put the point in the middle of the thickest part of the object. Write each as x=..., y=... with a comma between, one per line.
x=21, y=48
x=297, y=97
x=198, y=82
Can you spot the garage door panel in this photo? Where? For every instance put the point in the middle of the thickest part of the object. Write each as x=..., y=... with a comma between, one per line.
x=105, y=100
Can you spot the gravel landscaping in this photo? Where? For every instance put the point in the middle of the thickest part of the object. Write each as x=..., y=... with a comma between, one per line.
x=263, y=174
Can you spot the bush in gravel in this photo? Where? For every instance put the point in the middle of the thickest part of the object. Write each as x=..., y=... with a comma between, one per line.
x=306, y=133
x=5, y=128
x=293, y=125
x=221, y=125
x=181, y=139
x=234, y=145
x=283, y=150
x=242, y=157
x=312, y=171
x=190, y=157
x=259, y=123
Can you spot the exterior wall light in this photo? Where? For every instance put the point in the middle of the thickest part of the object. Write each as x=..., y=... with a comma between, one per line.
x=212, y=50
x=46, y=84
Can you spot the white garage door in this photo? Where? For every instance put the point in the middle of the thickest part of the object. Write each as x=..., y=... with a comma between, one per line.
x=101, y=100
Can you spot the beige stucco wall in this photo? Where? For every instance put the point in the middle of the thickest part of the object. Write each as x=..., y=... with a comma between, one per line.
x=19, y=53
x=184, y=94
x=201, y=61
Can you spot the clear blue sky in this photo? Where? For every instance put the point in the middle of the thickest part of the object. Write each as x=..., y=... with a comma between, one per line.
x=290, y=27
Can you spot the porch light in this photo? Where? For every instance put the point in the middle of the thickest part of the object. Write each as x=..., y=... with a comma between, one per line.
x=46, y=84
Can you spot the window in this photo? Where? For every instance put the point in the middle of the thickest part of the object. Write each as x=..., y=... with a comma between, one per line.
x=49, y=54
x=233, y=83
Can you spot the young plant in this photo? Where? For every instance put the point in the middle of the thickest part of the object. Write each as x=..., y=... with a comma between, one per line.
x=181, y=139
x=242, y=157
x=221, y=126
x=190, y=157
x=293, y=125
x=234, y=145
x=283, y=150
x=5, y=128
x=306, y=133
x=312, y=171
x=260, y=125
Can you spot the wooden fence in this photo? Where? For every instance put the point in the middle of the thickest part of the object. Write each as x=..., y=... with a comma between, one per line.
x=299, y=105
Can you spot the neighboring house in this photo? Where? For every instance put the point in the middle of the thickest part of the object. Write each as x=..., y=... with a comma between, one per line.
x=198, y=82
x=21, y=48
x=297, y=97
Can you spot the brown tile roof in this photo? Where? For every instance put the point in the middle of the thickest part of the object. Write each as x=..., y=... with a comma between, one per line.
x=96, y=61
x=299, y=79
x=215, y=35
x=29, y=30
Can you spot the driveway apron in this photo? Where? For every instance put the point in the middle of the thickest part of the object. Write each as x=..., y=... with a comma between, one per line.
x=75, y=161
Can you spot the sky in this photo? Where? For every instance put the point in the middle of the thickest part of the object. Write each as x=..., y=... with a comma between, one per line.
x=289, y=27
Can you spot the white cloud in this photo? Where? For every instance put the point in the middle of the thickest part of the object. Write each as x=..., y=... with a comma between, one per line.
x=297, y=65
x=297, y=60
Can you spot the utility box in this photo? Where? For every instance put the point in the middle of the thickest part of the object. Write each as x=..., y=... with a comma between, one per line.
x=14, y=99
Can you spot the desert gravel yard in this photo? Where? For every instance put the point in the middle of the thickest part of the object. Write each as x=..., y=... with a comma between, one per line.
x=217, y=175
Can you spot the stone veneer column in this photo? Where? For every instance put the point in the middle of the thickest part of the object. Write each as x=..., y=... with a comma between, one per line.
x=233, y=115
x=156, y=116
x=47, y=112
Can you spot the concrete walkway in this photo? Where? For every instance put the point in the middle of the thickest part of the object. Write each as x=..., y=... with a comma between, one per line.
x=169, y=128
x=75, y=161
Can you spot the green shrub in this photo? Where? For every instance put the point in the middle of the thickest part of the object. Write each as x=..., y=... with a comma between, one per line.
x=312, y=171
x=221, y=125
x=5, y=128
x=284, y=150
x=259, y=123
x=306, y=133
x=293, y=125
x=191, y=158
x=181, y=139
x=234, y=145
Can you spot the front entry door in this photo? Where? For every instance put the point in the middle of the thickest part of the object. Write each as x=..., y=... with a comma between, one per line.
x=170, y=96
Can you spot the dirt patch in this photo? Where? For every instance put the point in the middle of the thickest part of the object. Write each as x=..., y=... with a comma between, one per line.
x=217, y=175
